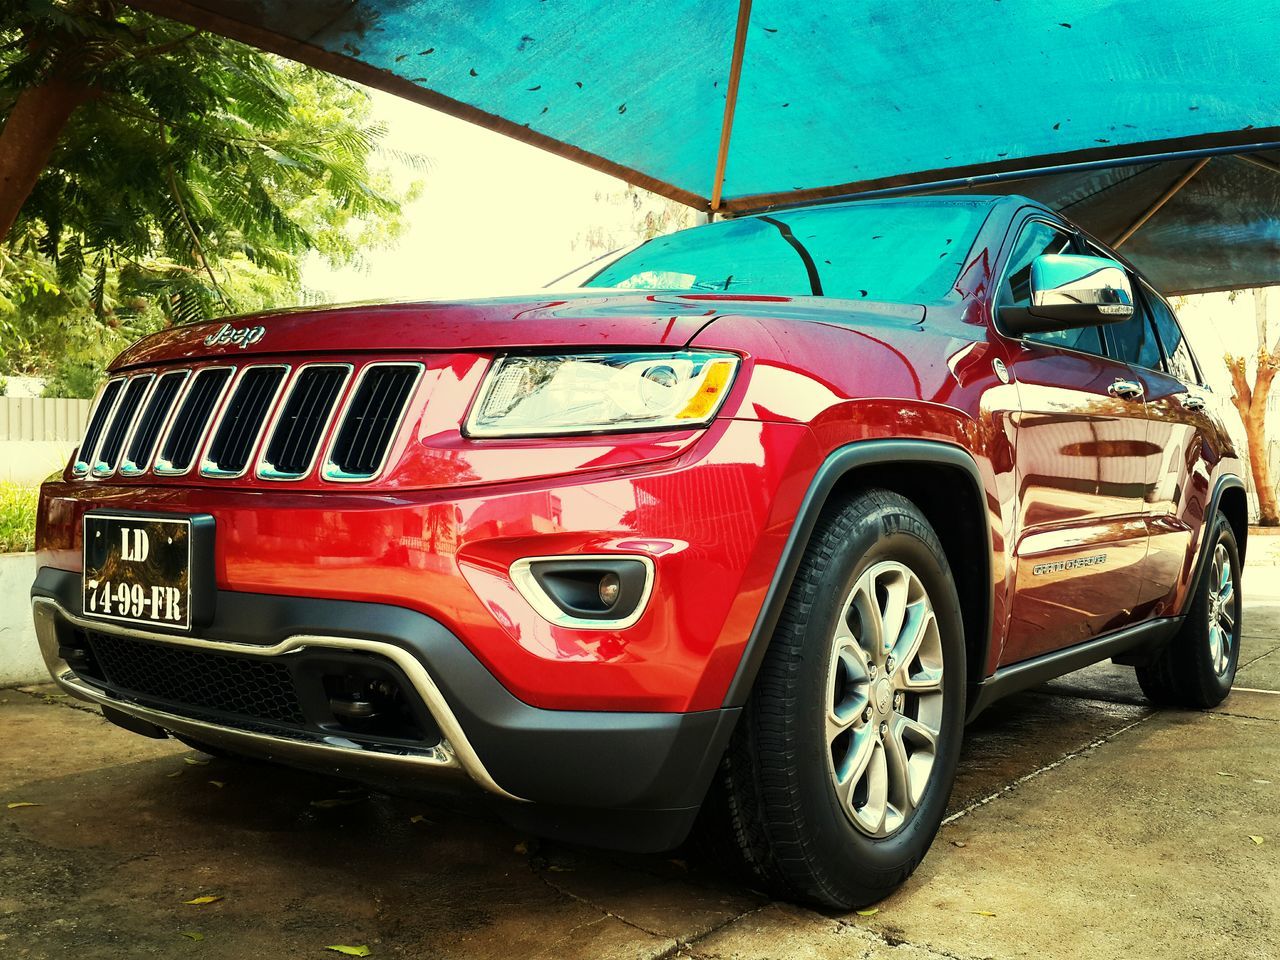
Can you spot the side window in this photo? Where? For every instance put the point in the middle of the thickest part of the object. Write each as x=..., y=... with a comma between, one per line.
x=1133, y=340
x=1176, y=351
x=1036, y=239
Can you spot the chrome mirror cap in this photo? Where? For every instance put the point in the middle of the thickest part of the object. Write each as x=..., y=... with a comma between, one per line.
x=1069, y=291
x=1064, y=279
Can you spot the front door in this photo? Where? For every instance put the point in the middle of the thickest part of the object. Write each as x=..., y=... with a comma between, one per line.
x=1184, y=441
x=1080, y=460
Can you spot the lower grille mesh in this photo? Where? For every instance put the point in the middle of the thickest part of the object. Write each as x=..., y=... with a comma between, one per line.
x=253, y=687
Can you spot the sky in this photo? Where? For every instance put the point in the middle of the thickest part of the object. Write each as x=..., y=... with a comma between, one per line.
x=496, y=216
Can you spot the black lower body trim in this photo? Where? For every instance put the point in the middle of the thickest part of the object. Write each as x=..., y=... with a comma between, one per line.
x=582, y=770
x=1019, y=676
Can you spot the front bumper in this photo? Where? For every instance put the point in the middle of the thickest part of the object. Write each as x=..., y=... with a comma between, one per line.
x=712, y=522
x=571, y=774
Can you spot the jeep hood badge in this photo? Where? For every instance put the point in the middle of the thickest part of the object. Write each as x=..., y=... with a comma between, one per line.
x=242, y=337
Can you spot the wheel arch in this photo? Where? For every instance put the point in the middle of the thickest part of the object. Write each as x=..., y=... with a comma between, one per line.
x=917, y=469
x=1234, y=504
x=1230, y=498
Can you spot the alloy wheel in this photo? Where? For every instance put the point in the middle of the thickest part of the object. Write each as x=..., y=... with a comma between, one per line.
x=884, y=698
x=1222, y=610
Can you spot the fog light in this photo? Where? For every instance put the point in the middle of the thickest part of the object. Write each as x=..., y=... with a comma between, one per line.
x=610, y=588
x=586, y=591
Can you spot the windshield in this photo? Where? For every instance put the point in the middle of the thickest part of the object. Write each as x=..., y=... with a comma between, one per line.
x=885, y=250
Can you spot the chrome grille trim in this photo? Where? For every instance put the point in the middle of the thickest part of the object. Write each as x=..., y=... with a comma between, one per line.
x=93, y=437
x=163, y=467
x=160, y=425
x=265, y=470
x=114, y=427
x=134, y=468
x=207, y=467
x=331, y=471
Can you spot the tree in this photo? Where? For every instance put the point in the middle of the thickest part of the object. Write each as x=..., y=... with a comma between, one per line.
x=153, y=174
x=1251, y=402
x=639, y=215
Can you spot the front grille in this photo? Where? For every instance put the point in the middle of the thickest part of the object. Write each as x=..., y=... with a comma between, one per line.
x=306, y=413
x=241, y=422
x=193, y=419
x=161, y=421
x=144, y=439
x=371, y=420
x=257, y=688
x=107, y=458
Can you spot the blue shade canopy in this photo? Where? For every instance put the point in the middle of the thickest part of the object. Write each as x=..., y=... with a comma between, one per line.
x=1220, y=231
x=742, y=104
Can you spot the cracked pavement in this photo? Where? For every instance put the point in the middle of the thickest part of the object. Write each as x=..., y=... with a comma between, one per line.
x=1082, y=824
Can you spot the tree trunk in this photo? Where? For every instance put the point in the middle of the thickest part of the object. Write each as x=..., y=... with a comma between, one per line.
x=1259, y=463
x=30, y=133
x=1251, y=403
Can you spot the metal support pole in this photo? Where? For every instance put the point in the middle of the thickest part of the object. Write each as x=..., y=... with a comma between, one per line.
x=730, y=100
x=1262, y=162
x=1164, y=198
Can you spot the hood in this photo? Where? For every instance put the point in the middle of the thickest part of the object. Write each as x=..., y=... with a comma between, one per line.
x=577, y=320
x=564, y=320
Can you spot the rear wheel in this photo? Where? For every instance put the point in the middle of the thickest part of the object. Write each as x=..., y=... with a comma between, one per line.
x=1198, y=666
x=839, y=773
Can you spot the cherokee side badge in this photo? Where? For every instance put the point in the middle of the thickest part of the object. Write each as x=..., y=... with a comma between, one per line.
x=1058, y=566
x=241, y=337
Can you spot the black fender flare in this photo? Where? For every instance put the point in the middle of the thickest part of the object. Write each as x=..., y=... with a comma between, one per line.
x=838, y=464
x=1226, y=482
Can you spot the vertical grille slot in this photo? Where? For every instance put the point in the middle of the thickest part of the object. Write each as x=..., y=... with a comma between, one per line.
x=143, y=444
x=370, y=421
x=241, y=421
x=106, y=404
x=192, y=420
x=292, y=448
x=126, y=410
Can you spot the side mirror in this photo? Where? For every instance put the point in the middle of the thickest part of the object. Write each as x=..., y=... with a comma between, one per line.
x=1070, y=291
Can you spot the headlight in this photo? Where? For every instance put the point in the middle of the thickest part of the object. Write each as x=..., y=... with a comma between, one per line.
x=530, y=396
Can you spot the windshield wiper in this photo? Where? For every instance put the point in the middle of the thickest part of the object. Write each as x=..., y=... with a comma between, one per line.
x=811, y=268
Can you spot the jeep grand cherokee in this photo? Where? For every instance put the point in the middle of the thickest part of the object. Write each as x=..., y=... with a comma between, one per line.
x=756, y=516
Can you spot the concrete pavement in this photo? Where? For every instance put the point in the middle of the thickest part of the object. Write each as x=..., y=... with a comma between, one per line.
x=1083, y=824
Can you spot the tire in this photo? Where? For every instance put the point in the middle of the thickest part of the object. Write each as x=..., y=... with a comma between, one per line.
x=1198, y=666
x=807, y=822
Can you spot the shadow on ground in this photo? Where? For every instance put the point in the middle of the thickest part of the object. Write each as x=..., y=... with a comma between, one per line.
x=1082, y=824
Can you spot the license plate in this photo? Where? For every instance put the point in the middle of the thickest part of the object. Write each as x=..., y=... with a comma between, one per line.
x=138, y=569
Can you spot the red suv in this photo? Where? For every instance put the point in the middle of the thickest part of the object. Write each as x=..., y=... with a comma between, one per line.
x=757, y=515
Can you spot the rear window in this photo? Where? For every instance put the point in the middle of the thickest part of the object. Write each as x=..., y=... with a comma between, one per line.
x=903, y=251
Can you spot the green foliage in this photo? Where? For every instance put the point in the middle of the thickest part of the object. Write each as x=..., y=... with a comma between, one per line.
x=76, y=380
x=17, y=518
x=188, y=184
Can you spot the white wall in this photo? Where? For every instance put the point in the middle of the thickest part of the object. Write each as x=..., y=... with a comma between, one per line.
x=37, y=436
x=20, y=660
x=28, y=462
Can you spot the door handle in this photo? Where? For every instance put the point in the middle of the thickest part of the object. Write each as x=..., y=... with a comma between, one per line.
x=1126, y=390
x=1194, y=404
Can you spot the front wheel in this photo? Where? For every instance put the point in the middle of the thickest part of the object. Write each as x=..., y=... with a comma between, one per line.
x=840, y=770
x=1198, y=666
